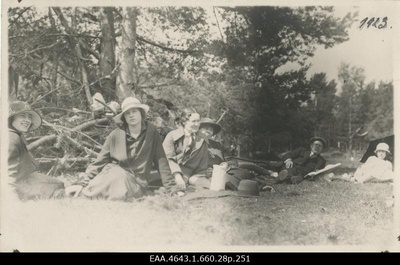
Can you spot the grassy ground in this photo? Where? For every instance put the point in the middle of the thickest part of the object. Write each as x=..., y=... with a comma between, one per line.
x=312, y=214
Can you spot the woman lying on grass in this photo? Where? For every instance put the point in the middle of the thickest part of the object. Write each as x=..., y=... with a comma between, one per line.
x=375, y=169
x=26, y=182
x=122, y=169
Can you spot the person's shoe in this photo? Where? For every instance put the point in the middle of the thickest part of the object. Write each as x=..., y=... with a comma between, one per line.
x=296, y=179
x=282, y=176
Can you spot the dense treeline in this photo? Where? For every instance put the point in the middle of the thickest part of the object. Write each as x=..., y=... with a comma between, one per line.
x=219, y=60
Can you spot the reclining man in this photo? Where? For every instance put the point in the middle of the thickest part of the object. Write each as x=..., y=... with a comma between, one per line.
x=300, y=162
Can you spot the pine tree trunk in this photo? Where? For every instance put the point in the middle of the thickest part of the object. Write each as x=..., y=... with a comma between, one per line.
x=54, y=59
x=107, y=53
x=75, y=45
x=126, y=85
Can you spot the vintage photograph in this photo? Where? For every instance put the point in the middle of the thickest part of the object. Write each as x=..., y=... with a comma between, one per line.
x=141, y=126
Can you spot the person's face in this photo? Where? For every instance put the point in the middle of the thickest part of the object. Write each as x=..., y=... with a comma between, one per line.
x=316, y=147
x=381, y=154
x=133, y=116
x=193, y=123
x=22, y=122
x=208, y=131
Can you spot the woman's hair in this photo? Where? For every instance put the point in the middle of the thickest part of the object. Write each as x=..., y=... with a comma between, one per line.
x=185, y=115
x=142, y=113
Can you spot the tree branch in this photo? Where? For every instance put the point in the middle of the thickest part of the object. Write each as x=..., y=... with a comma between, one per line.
x=110, y=76
x=52, y=137
x=51, y=160
x=36, y=50
x=160, y=85
x=80, y=146
x=71, y=130
x=69, y=78
x=105, y=105
x=71, y=31
x=139, y=38
x=19, y=15
x=219, y=28
x=37, y=100
x=41, y=141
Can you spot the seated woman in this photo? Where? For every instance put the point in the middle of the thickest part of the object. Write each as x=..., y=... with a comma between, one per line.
x=122, y=168
x=187, y=151
x=208, y=129
x=25, y=180
x=376, y=168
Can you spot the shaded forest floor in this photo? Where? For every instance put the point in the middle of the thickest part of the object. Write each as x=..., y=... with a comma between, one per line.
x=313, y=213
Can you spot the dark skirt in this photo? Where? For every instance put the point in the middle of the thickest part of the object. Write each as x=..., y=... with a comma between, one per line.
x=39, y=186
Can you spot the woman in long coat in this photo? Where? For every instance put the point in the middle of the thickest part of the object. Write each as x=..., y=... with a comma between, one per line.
x=122, y=169
x=25, y=181
x=187, y=151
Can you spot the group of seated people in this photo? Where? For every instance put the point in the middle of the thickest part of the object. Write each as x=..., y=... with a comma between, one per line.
x=123, y=168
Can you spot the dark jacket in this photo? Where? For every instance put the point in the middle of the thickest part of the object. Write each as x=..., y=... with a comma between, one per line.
x=24, y=178
x=21, y=164
x=189, y=163
x=302, y=160
x=215, y=150
x=148, y=150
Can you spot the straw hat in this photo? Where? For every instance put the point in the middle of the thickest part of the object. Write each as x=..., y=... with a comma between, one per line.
x=129, y=103
x=210, y=122
x=18, y=107
x=382, y=147
x=248, y=188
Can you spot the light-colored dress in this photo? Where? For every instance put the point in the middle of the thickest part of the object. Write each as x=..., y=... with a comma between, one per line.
x=374, y=170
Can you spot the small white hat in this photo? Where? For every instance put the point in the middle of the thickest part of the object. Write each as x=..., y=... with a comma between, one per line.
x=382, y=147
x=129, y=103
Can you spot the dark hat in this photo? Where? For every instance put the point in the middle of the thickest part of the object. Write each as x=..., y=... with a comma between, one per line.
x=248, y=188
x=17, y=107
x=210, y=122
x=322, y=140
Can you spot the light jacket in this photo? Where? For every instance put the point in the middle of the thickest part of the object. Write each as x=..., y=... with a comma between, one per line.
x=191, y=162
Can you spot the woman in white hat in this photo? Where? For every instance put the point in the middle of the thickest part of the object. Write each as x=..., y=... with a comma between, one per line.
x=187, y=151
x=25, y=180
x=376, y=168
x=122, y=169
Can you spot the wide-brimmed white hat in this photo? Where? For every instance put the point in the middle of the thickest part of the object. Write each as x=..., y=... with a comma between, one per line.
x=382, y=147
x=18, y=107
x=129, y=103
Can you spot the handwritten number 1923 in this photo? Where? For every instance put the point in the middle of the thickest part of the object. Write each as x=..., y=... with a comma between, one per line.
x=374, y=22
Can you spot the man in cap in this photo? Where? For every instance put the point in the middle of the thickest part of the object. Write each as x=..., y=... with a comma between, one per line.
x=300, y=162
x=209, y=128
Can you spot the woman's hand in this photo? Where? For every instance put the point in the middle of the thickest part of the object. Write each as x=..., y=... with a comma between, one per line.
x=179, y=181
x=73, y=190
x=179, y=194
